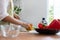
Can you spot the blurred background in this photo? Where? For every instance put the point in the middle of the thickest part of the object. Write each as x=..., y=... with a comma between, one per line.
x=34, y=10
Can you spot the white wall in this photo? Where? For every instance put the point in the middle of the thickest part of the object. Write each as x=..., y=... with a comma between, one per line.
x=33, y=10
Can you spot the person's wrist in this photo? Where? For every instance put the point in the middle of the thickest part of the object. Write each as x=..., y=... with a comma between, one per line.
x=23, y=24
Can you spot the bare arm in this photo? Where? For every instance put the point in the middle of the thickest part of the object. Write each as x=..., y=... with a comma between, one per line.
x=15, y=21
x=12, y=20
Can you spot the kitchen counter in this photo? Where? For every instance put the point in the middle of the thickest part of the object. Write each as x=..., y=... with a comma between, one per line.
x=32, y=36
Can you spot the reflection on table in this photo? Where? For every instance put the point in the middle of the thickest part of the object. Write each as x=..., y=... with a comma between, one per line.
x=32, y=35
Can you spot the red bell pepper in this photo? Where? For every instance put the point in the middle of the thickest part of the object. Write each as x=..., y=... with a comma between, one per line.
x=55, y=24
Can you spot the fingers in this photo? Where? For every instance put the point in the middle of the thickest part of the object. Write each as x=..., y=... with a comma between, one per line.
x=29, y=27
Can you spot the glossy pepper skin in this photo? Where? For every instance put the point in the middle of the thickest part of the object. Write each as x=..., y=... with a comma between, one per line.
x=55, y=24
x=41, y=26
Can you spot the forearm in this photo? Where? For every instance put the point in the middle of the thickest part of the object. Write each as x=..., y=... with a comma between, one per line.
x=12, y=20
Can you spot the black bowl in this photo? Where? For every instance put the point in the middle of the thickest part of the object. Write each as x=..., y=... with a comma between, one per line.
x=46, y=31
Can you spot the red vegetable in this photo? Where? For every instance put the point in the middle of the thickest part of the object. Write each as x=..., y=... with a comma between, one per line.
x=55, y=24
x=41, y=26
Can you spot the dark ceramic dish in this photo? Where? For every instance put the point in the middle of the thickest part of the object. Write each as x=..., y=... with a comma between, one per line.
x=46, y=31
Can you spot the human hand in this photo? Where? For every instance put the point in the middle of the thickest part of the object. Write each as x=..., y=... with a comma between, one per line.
x=27, y=26
x=30, y=27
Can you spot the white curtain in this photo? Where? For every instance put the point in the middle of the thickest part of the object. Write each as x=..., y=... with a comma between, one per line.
x=57, y=9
